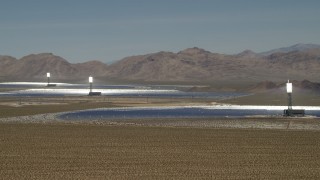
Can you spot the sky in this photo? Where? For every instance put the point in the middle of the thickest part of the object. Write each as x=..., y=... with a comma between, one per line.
x=109, y=30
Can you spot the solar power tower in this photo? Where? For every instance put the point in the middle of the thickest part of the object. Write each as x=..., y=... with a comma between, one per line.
x=289, y=92
x=90, y=82
x=290, y=111
x=48, y=83
x=48, y=76
x=91, y=93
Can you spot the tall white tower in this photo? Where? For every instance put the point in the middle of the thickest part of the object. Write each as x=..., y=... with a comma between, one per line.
x=289, y=92
x=48, y=76
x=90, y=82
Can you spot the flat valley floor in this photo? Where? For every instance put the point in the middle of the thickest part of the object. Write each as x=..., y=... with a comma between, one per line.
x=36, y=145
x=59, y=150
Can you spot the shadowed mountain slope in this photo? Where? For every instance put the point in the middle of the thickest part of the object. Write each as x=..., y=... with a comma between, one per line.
x=197, y=65
x=189, y=66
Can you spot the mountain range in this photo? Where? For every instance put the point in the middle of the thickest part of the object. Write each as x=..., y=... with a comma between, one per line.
x=189, y=66
x=296, y=47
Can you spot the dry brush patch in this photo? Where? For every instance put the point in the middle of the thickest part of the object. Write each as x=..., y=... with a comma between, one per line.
x=84, y=151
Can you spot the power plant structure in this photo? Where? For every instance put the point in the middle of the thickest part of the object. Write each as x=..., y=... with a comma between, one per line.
x=290, y=111
x=48, y=77
x=91, y=93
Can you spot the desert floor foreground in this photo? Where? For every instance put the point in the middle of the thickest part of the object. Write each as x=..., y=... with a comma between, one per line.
x=35, y=145
x=90, y=151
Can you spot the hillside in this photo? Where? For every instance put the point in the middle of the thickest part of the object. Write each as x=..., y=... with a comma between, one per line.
x=199, y=66
x=297, y=47
x=35, y=67
x=189, y=66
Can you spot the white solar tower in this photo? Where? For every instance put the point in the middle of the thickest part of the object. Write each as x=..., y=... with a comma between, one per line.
x=289, y=92
x=48, y=76
x=91, y=93
x=90, y=82
x=290, y=111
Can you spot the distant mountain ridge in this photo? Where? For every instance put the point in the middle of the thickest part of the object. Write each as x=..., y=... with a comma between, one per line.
x=197, y=65
x=35, y=67
x=190, y=66
x=297, y=47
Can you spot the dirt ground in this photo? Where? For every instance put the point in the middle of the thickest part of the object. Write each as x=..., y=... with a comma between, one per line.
x=35, y=145
x=82, y=151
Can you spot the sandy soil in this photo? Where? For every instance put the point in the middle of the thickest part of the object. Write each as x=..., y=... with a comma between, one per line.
x=306, y=123
x=17, y=104
x=36, y=144
x=42, y=146
x=94, y=151
x=47, y=109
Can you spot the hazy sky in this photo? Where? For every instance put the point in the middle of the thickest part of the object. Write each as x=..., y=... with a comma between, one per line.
x=109, y=30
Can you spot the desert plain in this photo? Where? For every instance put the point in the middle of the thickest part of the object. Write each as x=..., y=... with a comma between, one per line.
x=36, y=145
